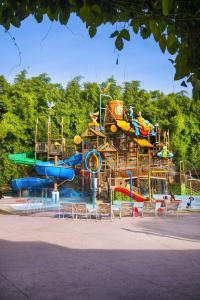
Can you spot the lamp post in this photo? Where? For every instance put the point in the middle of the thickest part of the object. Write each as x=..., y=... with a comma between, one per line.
x=55, y=192
x=149, y=174
x=50, y=105
x=93, y=163
x=131, y=183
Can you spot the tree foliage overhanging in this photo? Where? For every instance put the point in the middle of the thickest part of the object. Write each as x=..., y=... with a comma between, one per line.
x=174, y=24
x=26, y=99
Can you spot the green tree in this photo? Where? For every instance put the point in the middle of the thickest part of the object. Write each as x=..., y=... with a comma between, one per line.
x=26, y=99
x=174, y=24
x=4, y=96
x=21, y=76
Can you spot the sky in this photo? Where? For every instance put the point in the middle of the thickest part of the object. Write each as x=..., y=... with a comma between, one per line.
x=64, y=52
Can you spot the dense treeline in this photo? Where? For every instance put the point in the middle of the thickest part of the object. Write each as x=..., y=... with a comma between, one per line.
x=26, y=99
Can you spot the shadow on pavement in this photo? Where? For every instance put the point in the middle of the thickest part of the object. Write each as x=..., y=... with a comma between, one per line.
x=148, y=232
x=38, y=270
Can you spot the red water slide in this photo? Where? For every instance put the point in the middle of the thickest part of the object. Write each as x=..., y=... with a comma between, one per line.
x=135, y=196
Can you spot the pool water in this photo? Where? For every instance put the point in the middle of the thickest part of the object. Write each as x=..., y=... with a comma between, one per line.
x=65, y=194
x=184, y=200
x=68, y=194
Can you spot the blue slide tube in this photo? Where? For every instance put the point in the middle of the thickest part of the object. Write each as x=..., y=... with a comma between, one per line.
x=47, y=169
x=24, y=183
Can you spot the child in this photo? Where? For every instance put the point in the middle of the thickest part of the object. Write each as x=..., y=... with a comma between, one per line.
x=190, y=202
x=165, y=197
x=172, y=197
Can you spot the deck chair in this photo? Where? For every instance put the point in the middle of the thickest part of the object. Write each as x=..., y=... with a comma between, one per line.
x=104, y=210
x=126, y=209
x=33, y=206
x=171, y=208
x=149, y=208
x=67, y=209
x=81, y=211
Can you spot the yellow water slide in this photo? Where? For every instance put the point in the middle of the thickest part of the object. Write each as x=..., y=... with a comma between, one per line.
x=125, y=126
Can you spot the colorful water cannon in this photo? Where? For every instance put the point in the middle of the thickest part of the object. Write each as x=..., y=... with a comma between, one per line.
x=93, y=163
x=143, y=127
x=165, y=153
x=94, y=117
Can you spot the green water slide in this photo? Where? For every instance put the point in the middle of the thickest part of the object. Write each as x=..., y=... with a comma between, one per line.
x=23, y=158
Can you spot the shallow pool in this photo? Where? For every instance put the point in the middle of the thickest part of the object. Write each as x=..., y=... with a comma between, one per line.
x=184, y=200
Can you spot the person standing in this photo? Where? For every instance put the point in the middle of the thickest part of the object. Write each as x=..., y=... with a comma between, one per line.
x=172, y=197
x=189, y=203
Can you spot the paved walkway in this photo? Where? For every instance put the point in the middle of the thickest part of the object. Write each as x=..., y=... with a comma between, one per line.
x=149, y=258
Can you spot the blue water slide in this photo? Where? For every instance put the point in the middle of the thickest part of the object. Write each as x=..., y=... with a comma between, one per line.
x=47, y=169
x=73, y=160
x=29, y=182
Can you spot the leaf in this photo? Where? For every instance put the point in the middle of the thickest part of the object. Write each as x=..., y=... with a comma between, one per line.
x=162, y=43
x=190, y=78
x=7, y=25
x=172, y=61
x=38, y=17
x=119, y=44
x=84, y=12
x=161, y=25
x=181, y=67
x=172, y=43
x=64, y=17
x=167, y=6
x=72, y=2
x=16, y=22
x=124, y=33
x=183, y=84
x=92, y=31
x=170, y=28
x=156, y=33
x=50, y=15
x=115, y=33
x=145, y=33
x=136, y=25
x=153, y=27
x=96, y=8
x=195, y=93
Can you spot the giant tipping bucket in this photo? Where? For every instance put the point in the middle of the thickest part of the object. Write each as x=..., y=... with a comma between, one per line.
x=116, y=109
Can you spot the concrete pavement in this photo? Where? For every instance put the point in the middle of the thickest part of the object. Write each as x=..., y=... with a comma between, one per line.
x=135, y=258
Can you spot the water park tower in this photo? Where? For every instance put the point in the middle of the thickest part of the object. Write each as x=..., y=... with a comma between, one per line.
x=53, y=146
x=133, y=150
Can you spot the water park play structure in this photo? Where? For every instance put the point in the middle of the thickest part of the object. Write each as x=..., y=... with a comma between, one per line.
x=129, y=147
x=123, y=154
x=62, y=171
x=57, y=168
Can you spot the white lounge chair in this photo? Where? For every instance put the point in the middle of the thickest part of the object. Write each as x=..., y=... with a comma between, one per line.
x=104, y=210
x=171, y=208
x=149, y=208
x=67, y=209
x=82, y=211
x=126, y=209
